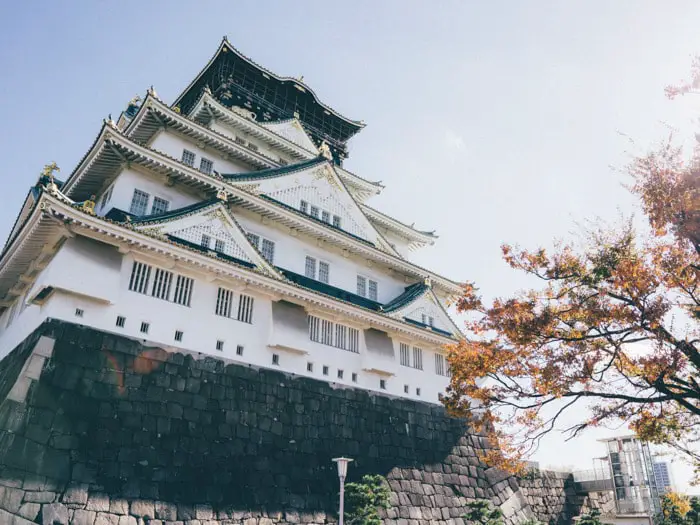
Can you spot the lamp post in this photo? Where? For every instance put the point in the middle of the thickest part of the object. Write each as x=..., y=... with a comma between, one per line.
x=342, y=472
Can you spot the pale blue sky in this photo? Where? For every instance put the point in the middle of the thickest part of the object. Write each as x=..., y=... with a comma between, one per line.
x=489, y=121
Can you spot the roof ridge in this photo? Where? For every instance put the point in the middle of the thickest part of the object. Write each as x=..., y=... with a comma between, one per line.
x=277, y=171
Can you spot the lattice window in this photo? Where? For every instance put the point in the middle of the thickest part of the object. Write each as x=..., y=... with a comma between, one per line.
x=354, y=340
x=373, y=289
x=267, y=250
x=314, y=324
x=220, y=246
x=159, y=206
x=440, y=368
x=162, y=279
x=205, y=233
x=224, y=302
x=140, y=275
x=336, y=221
x=206, y=241
x=404, y=355
x=183, y=290
x=341, y=336
x=417, y=358
x=431, y=321
x=139, y=203
x=361, y=286
x=206, y=166
x=304, y=207
x=326, y=216
x=254, y=239
x=323, y=271
x=245, y=309
x=326, y=332
x=314, y=212
x=310, y=268
x=188, y=157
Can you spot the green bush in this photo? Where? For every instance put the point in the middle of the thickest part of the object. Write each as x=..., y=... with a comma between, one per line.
x=364, y=499
x=482, y=512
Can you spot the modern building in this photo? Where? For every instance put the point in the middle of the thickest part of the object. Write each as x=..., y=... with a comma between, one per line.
x=225, y=224
x=663, y=475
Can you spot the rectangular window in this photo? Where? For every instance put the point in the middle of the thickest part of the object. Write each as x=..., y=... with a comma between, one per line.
x=424, y=319
x=275, y=359
x=341, y=373
x=405, y=389
x=354, y=340
x=145, y=327
x=188, y=157
x=206, y=241
x=162, y=280
x=304, y=207
x=178, y=335
x=326, y=332
x=309, y=367
x=121, y=321
x=245, y=309
x=417, y=358
x=373, y=290
x=239, y=350
x=310, y=268
x=418, y=392
x=183, y=290
x=442, y=367
x=267, y=250
x=224, y=302
x=206, y=166
x=159, y=206
x=354, y=377
x=431, y=321
x=325, y=216
x=220, y=246
x=139, y=203
x=79, y=312
x=361, y=286
x=404, y=356
x=323, y=271
x=220, y=345
x=314, y=212
x=254, y=239
x=325, y=370
x=341, y=336
x=382, y=384
x=336, y=221
x=314, y=325
x=140, y=275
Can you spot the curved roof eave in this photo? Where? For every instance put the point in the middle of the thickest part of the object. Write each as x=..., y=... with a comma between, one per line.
x=226, y=44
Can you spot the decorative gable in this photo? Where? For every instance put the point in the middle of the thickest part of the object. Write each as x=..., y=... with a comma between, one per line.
x=419, y=305
x=293, y=131
x=215, y=228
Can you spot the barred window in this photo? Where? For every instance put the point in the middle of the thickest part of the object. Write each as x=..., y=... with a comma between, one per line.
x=404, y=355
x=254, y=239
x=424, y=319
x=220, y=246
x=162, y=280
x=440, y=364
x=188, y=157
x=267, y=250
x=323, y=271
x=139, y=203
x=341, y=336
x=354, y=340
x=206, y=166
x=304, y=207
x=314, y=324
x=159, y=206
x=326, y=332
x=336, y=221
x=140, y=274
x=310, y=269
x=245, y=309
x=206, y=241
x=183, y=290
x=361, y=286
x=431, y=321
x=325, y=216
x=373, y=290
x=314, y=211
x=332, y=334
x=224, y=302
x=417, y=358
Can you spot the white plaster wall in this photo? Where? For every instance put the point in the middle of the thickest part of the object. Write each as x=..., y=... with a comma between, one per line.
x=399, y=243
x=172, y=145
x=263, y=147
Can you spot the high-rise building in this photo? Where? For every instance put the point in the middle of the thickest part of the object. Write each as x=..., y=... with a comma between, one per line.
x=663, y=476
x=225, y=224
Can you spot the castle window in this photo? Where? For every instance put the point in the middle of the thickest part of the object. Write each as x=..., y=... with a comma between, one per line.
x=354, y=377
x=121, y=321
x=418, y=392
x=314, y=212
x=220, y=345
x=161, y=284
x=106, y=197
x=206, y=166
x=340, y=374
x=417, y=358
x=441, y=366
x=224, y=302
x=325, y=370
x=382, y=384
x=323, y=271
x=341, y=336
x=405, y=389
x=139, y=203
x=354, y=340
x=183, y=290
x=326, y=332
x=254, y=239
x=431, y=321
x=145, y=327
x=178, y=335
x=336, y=221
x=140, y=275
x=220, y=246
x=309, y=367
x=310, y=268
x=206, y=241
x=424, y=319
x=159, y=206
x=79, y=312
x=267, y=250
x=314, y=323
x=239, y=350
x=404, y=354
x=275, y=359
x=373, y=290
x=304, y=207
x=188, y=157
x=361, y=286
x=245, y=309
x=325, y=216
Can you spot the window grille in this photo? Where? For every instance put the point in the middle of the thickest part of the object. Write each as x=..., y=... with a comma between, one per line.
x=188, y=157
x=220, y=246
x=418, y=392
x=440, y=368
x=183, y=290
x=354, y=340
x=140, y=275
x=206, y=241
x=79, y=312
x=220, y=345
x=310, y=270
x=424, y=319
x=405, y=389
x=145, y=327
x=224, y=302
x=314, y=212
x=382, y=384
x=361, y=286
x=304, y=207
x=275, y=359
x=139, y=203
x=336, y=221
x=239, y=350
x=323, y=271
x=178, y=335
x=354, y=377
x=404, y=355
x=325, y=370
x=417, y=358
x=326, y=332
x=341, y=336
x=314, y=323
x=267, y=250
x=159, y=206
x=341, y=373
x=431, y=321
x=325, y=216
x=373, y=290
x=162, y=280
x=254, y=239
x=206, y=166
x=309, y=367
x=121, y=321
x=245, y=309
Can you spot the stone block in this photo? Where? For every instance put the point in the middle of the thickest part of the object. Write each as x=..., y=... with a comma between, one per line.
x=118, y=506
x=143, y=509
x=127, y=520
x=40, y=497
x=165, y=510
x=103, y=518
x=54, y=514
x=98, y=502
x=29, y=510
x=76, y=494
x=11, y=499
x=83, y=517
x=203, y=512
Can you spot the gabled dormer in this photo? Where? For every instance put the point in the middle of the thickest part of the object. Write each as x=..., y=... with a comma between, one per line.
x=420, y=306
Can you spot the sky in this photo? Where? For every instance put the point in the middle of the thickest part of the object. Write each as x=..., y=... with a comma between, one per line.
x=491, y=122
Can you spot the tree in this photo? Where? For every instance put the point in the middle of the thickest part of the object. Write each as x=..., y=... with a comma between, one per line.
x=591, y=518
x=693, y=515
x=482, y=512
x=674, y=509
x=613, y=325
x=365, y=498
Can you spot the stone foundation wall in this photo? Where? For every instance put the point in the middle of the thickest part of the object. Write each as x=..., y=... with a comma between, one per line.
x=108, y=431
x=551, y=496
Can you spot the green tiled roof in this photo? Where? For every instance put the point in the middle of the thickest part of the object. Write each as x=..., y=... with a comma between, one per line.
x=271, y=173
x=410, y=294
x=173, y=214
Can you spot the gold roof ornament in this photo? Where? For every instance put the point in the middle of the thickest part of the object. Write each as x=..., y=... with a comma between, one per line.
x=110, y=122
x=325, y=150
x=135, y=101
x=176, y=109
x=428, y=282
x=89, y=205
x=47, y=172
x=222, y=195
x=152, y=92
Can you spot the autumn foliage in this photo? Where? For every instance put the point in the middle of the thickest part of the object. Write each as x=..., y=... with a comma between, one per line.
x=610, y=333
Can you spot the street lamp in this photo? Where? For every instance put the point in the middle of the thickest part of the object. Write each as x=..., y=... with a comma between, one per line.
x=342, y=472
